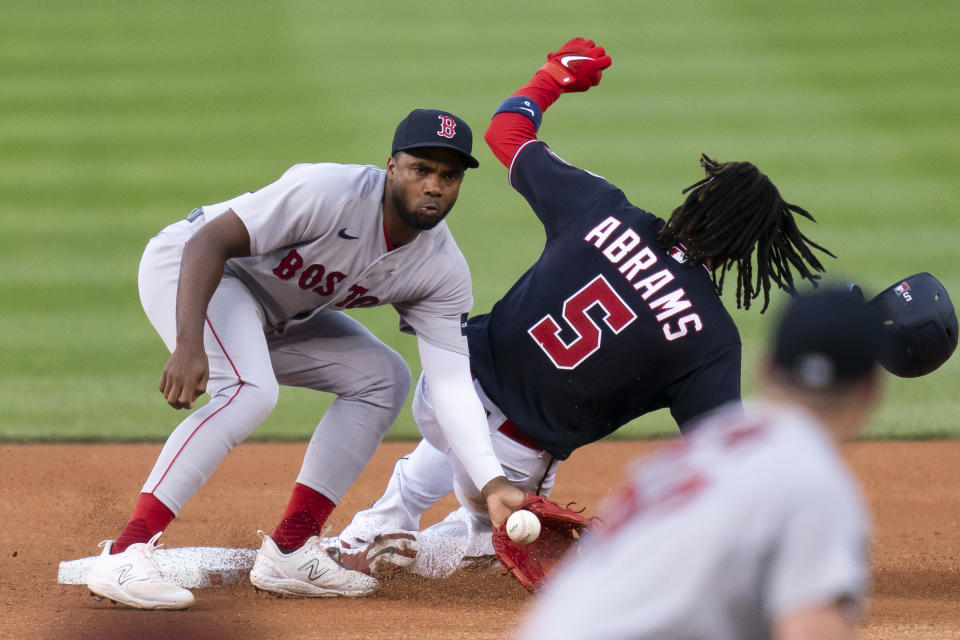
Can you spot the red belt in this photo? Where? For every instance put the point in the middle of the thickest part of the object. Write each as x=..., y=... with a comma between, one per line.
x=513, y=432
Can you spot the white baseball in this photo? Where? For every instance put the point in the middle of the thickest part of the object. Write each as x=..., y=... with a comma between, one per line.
x=523, y=527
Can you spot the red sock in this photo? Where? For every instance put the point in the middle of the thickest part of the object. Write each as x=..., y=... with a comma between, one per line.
x=306, y=512
x=149, y=517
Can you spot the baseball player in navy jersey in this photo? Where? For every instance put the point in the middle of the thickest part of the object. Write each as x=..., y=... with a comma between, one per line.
x=620, y=316
x=248, y=294
x=752, y=530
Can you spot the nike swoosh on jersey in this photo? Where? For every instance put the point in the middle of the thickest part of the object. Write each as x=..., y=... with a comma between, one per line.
x=526, y=109
x=346, y=236
x=566, y=59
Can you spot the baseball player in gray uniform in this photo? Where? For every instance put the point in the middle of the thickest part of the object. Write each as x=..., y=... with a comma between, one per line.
x=755, y=528
x=248, y=294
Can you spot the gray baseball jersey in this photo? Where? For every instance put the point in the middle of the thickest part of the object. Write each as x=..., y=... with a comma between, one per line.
x=754, y=518
x=317, y=239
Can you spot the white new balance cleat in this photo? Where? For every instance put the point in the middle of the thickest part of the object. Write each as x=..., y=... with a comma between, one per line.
x=133, y=578
x=309, y=571
x=386, y=555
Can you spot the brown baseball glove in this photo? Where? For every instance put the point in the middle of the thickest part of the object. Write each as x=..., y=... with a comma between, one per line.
x=560, y=529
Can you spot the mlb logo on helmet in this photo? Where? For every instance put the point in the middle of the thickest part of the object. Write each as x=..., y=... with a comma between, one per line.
x=903, y=290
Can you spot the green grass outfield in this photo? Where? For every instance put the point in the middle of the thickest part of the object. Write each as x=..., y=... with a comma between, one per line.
x=118, y=117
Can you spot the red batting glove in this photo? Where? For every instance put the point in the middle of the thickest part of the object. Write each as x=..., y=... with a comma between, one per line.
x=578, y=65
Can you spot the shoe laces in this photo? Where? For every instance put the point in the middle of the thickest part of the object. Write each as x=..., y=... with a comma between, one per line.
x=316, y=539
x=153, y=544
x=150, y=545
x=314, y=547
x=148, y=565
x=141, y=556
x=320, y=536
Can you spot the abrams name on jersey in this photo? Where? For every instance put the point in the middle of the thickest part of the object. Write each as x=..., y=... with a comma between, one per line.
x=641, y=261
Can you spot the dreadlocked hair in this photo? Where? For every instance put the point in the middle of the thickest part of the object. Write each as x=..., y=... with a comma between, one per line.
x=733, y=211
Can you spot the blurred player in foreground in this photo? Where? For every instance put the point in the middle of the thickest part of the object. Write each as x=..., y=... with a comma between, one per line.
x=755, y=528
x=248, y=295
x=619, y=316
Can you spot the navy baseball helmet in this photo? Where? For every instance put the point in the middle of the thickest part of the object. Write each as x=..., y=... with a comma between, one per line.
x=919, y=326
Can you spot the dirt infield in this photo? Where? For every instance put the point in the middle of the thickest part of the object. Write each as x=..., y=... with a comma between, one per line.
x=59, y=501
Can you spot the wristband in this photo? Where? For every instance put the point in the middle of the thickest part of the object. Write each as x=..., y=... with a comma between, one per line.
x=524, y=106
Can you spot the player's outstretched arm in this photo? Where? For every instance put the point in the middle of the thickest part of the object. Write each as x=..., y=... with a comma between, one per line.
x=576, y=66
x=184, y=378
x=459, y=414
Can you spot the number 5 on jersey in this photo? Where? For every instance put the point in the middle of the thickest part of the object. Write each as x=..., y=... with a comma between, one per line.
x=598, y=292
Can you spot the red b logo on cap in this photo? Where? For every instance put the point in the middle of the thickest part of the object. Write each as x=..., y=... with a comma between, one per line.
x=447, y=127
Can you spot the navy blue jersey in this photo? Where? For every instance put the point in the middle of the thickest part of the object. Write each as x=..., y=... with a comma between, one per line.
x=605, y=326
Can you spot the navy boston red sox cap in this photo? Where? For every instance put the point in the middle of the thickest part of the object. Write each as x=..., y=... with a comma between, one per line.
x=435, y=128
